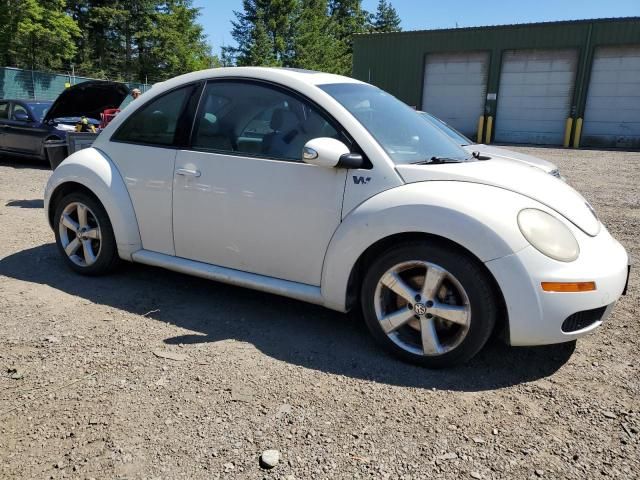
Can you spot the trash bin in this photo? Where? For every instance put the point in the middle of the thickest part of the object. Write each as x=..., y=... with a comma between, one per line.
x=57, y=151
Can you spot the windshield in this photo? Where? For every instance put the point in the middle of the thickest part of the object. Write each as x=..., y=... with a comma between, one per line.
x=39, y=110
x=399, y=129
x=455, y=135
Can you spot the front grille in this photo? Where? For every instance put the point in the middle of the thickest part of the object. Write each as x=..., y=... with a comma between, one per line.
x=583, y=319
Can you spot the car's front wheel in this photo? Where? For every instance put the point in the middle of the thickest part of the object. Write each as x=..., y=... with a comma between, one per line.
x=429, y=304
x=84, y=235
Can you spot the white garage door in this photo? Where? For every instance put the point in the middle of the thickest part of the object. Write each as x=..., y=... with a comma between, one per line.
x=535, y=94
x=455, y=86
x=612, y=115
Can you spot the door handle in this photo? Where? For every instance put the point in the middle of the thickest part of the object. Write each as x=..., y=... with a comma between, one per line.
x=185, y=172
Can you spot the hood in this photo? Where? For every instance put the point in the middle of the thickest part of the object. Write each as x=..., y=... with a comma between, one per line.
x=516, y=177
x=497, y=152
x=87, y=99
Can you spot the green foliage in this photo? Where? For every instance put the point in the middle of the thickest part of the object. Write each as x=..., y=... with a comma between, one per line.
x=263, y=31
x=174, y=43
x=37, y=33
x=311, y=34
x=132, y=40
x=386, y=18
x=348, y=19
x=314, y=44
x=151, y=40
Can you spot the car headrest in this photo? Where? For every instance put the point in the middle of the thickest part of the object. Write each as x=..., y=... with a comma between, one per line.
x=283, y=120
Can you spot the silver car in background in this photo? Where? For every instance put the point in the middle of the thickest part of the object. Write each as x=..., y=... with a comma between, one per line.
x=489, y=150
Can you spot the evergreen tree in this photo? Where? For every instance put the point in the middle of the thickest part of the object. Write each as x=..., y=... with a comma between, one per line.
x=348, y=18
x=314, y=46
x=174, y=43
x=139, y=40
x=263, y=31
x=37, y=34
x=386, y=18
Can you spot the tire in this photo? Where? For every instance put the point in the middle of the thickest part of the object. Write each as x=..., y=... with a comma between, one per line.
x=92, y=253
x=418, y=332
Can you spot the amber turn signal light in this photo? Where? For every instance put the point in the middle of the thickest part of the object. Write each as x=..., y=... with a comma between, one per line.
x=566, y=287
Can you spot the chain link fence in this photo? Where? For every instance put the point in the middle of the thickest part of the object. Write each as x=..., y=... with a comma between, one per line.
x=20, y=84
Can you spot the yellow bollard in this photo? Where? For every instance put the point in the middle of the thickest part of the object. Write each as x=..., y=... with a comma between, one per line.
x=480, y=128
x=577, y=133
x=487, y=138
x=567, y=132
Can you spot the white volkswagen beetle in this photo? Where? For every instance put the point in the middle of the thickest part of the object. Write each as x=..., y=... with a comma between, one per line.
x=331, y=191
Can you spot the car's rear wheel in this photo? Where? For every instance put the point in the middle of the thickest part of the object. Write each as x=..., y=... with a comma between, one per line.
x=84, y=235
x=429, y=304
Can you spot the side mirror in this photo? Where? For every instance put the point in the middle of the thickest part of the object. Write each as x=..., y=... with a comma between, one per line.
x=21, y=117
x=329, y=152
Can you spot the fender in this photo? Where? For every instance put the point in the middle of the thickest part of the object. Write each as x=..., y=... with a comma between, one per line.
x=94, y=170
x=468, y=214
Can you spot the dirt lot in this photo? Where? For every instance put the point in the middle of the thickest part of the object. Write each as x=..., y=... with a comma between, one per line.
x=92, y=398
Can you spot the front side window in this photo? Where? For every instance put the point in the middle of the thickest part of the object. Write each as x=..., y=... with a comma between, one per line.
x=253, y=119
x=399, y=129
x=156, y=123
x=4, y=110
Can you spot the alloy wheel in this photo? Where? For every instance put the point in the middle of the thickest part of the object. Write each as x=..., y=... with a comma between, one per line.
x=80, y=234
x=422, y=308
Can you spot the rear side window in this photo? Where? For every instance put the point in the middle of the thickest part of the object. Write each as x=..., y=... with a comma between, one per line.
x=4, y=110
x=157, y=122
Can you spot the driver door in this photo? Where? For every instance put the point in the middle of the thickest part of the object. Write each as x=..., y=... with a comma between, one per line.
x=243, y=198
x=23, y=136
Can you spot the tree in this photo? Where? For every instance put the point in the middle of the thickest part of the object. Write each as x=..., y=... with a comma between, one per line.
x=314, y=46
x=386, y=18
x=136, y=40
x=37, y=34
x=263, y=31
x=348, y=18
x=173, y=43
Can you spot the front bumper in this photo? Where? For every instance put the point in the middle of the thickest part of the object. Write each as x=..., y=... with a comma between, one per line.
x=536, y=317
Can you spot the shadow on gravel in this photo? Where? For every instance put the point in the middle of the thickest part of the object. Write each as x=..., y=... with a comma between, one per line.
x=22, y=162
x=36, y=203
x=288, y=330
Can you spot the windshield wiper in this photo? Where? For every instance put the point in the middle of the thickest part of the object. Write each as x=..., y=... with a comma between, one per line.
x=479, y=156
x=438, y=160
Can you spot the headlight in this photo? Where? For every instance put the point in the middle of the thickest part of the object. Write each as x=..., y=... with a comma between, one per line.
x=548, y=235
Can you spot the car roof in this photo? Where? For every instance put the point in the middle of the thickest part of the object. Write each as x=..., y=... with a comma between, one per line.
x=285, y=75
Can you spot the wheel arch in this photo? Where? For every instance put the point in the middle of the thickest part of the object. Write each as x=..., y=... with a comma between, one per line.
x=93, y=173
x=62, y=191
x=477, y=219
x=359, y=269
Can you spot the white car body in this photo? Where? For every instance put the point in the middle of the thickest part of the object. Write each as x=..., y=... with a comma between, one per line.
x=299, y=229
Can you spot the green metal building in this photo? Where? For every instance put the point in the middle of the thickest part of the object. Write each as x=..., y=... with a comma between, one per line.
x=574, y=82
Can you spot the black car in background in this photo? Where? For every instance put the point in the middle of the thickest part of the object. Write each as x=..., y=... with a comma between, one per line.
x=26, y=124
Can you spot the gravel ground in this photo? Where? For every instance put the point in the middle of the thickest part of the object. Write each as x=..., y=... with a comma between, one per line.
x=93, y=393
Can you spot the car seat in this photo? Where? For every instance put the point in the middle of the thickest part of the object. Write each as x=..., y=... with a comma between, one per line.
x=286, y=139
